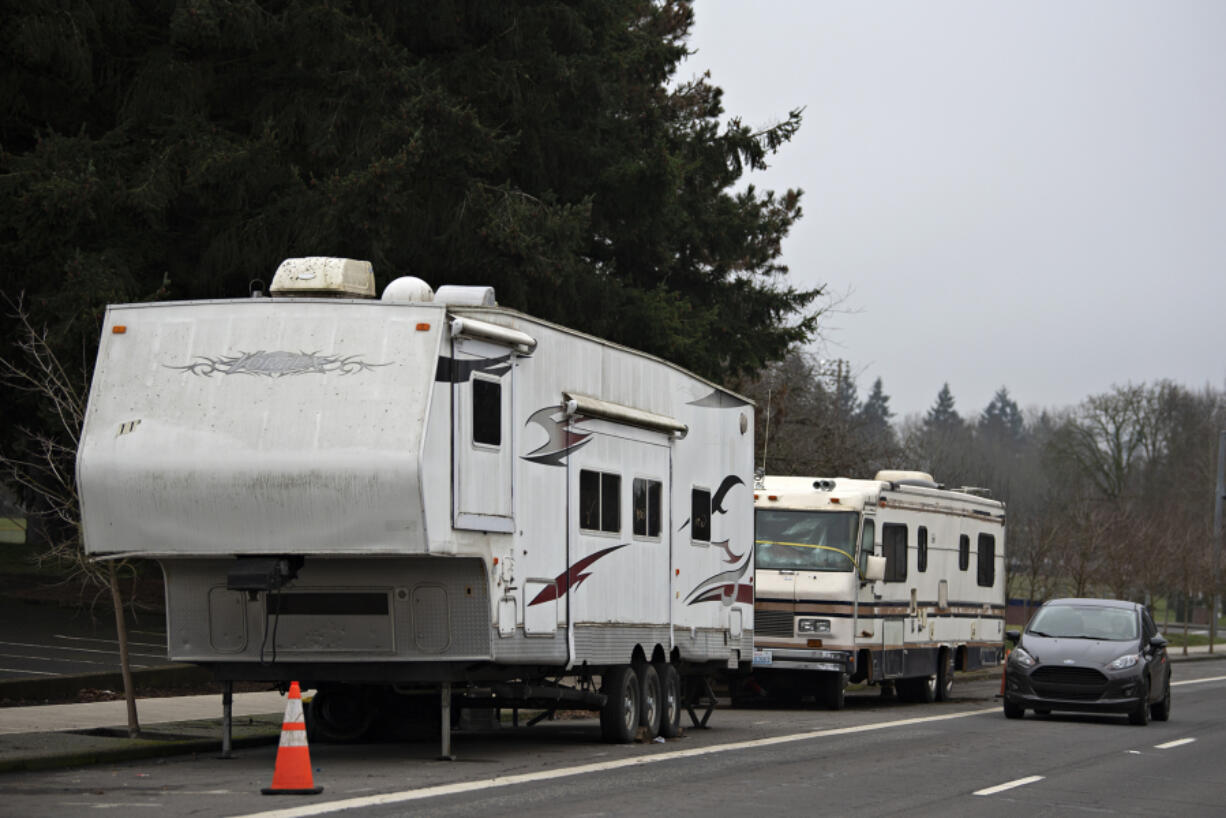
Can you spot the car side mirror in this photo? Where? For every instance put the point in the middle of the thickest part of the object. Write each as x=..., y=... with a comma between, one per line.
x=1013, y=636
x=874, y=568
x=1157, y=642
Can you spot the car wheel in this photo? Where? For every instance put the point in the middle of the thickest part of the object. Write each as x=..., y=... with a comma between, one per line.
x=1161, y=710
x=1140, y=714
x=1013, y=711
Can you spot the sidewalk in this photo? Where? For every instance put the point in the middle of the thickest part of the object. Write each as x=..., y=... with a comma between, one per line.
x=70, y=735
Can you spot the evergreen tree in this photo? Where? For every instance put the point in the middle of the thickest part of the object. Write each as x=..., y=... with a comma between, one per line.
x=182, y=149
x=1001, y=420
x=876, y=409
x=942, y=416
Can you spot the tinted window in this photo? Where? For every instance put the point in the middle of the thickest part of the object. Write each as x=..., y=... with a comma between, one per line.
x=646, y=507
x=700, y=515
x=964, y=552
x=921, y=549
x=487, y=412
x=987, y=560
x=599, y=501
x=894, y=542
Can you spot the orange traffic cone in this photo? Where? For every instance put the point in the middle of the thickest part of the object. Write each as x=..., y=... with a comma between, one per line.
x=292, y=775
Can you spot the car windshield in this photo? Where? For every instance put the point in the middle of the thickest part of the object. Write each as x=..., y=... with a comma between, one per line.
x=806, y=540
x=1085, y=622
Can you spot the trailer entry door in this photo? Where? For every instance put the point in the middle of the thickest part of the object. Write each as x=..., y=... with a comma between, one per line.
x=482, y=436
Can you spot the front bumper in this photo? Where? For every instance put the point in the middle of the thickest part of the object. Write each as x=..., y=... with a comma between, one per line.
x=1117, y=693
x=839, y=661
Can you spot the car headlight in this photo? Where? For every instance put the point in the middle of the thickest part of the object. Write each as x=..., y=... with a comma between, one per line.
x=1127, y=660
x=813, y=626
x=1021, y=657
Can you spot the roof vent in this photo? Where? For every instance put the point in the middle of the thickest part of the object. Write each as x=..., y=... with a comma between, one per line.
x=460, y=296
x=323, y=277
x=408, y=289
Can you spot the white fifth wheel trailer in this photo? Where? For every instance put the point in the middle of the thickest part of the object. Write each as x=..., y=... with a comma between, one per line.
x=423, y=492
x=894, y=581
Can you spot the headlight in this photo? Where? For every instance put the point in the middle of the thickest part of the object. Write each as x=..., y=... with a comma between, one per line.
x=1021, y=657
x=813, y=626
x=1127, y=660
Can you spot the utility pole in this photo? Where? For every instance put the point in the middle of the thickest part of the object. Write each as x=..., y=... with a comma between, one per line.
x=1218, y=496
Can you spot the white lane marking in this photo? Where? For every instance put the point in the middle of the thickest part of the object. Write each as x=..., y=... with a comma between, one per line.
x=1008, y=785
x=107, y=641
x=1199, y=681
x=18, y=670
x=1179, y=742
x=73, y=649
x=582, y=769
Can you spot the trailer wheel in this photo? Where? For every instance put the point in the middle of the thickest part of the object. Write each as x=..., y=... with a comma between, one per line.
x=651, y=703
x=831, y=690
x=670, y=700
x=945, y=675
x=619, y=718
x=341, y=713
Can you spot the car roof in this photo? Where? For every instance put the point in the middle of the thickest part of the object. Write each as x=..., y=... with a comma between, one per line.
x=1098, y=603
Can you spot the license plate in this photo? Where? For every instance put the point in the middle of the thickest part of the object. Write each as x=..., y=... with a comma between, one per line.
x=761, y=658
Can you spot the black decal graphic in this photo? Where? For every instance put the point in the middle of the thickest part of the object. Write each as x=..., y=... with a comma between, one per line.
x=717, y=502
x=561, y=439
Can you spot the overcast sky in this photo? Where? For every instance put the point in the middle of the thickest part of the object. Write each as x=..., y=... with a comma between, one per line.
x=1030, y=195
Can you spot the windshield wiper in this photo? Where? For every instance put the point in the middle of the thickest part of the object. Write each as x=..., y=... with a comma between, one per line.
x=1040, y=633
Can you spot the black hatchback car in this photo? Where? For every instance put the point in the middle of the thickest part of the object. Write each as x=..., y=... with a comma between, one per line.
x=1089, y=655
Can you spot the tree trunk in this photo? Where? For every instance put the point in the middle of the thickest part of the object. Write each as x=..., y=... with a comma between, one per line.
x=121, y=629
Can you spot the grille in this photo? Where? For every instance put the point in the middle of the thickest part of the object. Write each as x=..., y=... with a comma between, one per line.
x=773, y=623
x=1082, y=683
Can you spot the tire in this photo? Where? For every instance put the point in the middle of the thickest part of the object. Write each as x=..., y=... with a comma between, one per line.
x=670, y=700
x=619, y=717
x=917, y=690
x=945, y=676
x=651, y=700
x=1013, y=711
x=1139, y=715
x=340, y=713
x=832, y=690
x=1161, y=710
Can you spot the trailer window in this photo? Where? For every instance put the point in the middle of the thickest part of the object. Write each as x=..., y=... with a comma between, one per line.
x=894, y=542
x=700, y=515
x=487, y=412
x=599, y=501
x=964, y=552
x=987, y=560
x=805, y=540
x=647, y=507
x=921, y=549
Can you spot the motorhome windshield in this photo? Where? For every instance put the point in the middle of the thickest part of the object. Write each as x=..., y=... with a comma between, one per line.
x=806, y=540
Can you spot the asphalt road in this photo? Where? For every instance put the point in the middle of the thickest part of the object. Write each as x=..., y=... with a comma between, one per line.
x=876, y=757
x=38, y=639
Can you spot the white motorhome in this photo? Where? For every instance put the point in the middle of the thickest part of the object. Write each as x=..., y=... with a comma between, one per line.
x=894, y=581
x=423, y=491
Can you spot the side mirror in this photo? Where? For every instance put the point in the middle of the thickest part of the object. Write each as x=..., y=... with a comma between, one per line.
x=874, y=568
x=1157, y=642
x=1013, y=635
